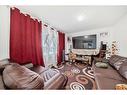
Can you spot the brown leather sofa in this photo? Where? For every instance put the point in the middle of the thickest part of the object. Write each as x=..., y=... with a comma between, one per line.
x=33, y=78
x=53, y=79
x=107, y=79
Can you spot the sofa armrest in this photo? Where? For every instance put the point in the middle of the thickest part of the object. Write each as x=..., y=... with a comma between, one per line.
x=1, y=83
x=58, y=83
x=3, y=64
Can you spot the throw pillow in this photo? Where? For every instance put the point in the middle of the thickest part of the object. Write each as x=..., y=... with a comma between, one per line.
x=121, y=87
x=101, y=65
x=16, y=76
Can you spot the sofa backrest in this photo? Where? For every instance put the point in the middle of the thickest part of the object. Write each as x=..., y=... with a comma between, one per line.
x=115, y=58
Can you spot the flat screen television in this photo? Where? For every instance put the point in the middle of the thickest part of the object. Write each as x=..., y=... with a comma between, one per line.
x=84, y=42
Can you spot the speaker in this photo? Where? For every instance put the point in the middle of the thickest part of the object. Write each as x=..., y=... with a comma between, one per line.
x=104, y=46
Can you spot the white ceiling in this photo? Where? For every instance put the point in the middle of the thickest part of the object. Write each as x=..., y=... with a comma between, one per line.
x=65, y=17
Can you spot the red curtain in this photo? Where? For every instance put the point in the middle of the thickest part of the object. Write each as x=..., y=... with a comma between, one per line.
x=25, y=39
x=36, y=43
x=61, y=46
x=15, y=36
x=25, y=43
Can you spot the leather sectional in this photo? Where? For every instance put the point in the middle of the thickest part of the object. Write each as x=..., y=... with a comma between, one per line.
x=15, y=76
x=42, y=78
x=107, y=79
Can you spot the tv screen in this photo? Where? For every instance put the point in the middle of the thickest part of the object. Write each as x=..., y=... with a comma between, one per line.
x=84, y=42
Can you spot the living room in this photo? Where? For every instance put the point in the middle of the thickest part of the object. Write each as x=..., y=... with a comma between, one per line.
x=42, y=48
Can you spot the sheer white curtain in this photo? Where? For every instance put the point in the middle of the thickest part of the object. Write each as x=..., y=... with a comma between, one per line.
x=49, y=45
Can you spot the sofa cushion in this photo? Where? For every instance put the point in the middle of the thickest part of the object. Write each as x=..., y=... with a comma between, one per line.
x=118, y=64
x=115, y=58
x=39, y=69
x=20, y=77
x=53, y=79
x=57, y=83
x=50, y=75
x=46, y=73
x=123, y=70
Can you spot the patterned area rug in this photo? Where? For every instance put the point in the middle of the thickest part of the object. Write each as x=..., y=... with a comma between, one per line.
x=80, y=76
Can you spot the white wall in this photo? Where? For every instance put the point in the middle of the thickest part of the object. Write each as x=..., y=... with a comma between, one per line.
x=107, y=38
x=117, y=32
x=120, y=35
x=4, y=31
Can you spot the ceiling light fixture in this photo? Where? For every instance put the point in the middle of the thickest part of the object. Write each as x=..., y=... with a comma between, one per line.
x=80, y=18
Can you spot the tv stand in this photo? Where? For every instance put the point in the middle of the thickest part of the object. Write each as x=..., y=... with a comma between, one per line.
x=88, y=52
x=84, y=59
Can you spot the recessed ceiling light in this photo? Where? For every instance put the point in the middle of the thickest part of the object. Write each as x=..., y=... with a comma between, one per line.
x=80, y=18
